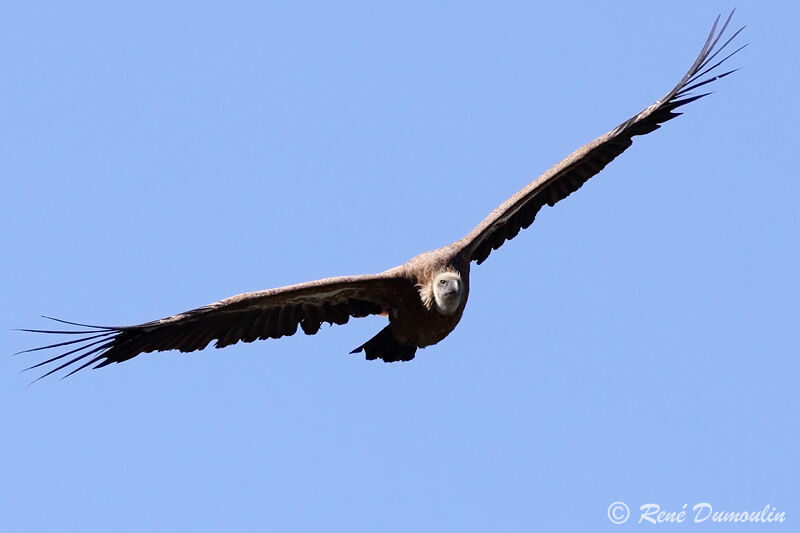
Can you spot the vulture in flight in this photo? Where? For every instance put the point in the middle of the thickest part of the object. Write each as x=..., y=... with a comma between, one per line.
x=423, y=298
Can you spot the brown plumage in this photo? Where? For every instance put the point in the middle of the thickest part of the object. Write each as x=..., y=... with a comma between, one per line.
x=423, y=298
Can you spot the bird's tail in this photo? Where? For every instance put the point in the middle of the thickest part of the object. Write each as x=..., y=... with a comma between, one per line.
x=384, y=346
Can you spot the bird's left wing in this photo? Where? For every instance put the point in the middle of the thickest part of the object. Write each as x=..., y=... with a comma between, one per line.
x=272, y=313
x=569, y=175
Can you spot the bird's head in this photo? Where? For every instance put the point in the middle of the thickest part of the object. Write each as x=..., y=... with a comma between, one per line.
x=448, y=291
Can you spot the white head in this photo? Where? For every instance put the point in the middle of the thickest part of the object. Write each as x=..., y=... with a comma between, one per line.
x=448, y=291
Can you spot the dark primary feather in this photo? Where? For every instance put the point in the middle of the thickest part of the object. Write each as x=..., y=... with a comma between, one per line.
x=519, y=211
x=273, y=313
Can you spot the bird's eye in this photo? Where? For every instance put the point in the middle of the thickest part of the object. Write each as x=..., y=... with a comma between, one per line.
x=442, y=282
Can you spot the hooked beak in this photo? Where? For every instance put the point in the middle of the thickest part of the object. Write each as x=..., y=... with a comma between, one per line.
x=451, y=289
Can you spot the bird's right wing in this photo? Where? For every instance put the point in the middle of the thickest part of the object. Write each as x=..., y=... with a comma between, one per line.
x=272, y=313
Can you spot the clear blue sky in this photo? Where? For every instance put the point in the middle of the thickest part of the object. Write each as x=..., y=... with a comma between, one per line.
x=638, y=343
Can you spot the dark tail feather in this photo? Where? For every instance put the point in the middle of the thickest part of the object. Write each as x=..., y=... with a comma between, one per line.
x=384, y=346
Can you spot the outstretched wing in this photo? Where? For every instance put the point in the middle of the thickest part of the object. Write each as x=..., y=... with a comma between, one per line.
x=272, y=313
x=569, y=175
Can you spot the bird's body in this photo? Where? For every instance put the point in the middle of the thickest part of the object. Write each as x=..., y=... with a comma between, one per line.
x=423, y=299
x=418, y=322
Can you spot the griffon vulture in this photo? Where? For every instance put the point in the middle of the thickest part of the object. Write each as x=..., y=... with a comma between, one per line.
x=423, y=298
